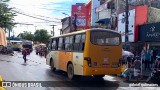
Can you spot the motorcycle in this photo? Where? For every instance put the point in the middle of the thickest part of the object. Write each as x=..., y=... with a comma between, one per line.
x=155, y=77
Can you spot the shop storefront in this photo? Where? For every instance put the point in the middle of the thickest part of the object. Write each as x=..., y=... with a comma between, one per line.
x=150, y=35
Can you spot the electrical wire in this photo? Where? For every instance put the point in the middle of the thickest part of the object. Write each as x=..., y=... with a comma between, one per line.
x=34, y=17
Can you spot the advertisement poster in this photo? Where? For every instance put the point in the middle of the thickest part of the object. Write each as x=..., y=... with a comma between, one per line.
x=80, y=11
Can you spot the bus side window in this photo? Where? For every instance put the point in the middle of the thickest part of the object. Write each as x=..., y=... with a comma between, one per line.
x=77, y=42
x=82, y=44
x=49, y=44
x=71, y=43
x=60, y=44
x=54, y=44
x=66, y=43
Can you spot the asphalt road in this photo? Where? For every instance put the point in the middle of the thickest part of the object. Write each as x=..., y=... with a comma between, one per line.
x=13, y=68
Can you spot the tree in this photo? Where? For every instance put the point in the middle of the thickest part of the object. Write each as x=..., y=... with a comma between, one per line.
x=26, y=35
x=6, y=15
x=41, y=35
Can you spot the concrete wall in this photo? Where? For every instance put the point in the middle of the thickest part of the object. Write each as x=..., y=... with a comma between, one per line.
x=153, y=15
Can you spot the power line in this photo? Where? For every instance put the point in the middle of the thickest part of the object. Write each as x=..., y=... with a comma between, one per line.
x=51, y=9
x=34, y=17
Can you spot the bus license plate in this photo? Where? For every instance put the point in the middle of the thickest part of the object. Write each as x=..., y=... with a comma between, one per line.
x=105, y=59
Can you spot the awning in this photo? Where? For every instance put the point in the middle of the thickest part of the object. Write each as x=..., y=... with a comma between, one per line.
x=105, y=20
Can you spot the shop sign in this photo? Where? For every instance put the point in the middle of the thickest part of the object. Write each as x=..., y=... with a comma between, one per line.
x=149, y=32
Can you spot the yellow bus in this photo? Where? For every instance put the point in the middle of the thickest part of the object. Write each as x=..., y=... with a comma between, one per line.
x=92, y=52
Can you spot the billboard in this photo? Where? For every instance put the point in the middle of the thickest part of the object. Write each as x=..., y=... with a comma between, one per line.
x=80, y=11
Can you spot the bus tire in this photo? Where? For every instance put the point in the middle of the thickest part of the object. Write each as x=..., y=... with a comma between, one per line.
x=98, y=76
x=52, y=65
x=70, y=71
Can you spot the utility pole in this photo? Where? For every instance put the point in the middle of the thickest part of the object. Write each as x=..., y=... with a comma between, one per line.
x=53, y=29
x=126, y=23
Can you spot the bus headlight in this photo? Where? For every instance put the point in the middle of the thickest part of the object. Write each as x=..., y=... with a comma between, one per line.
x=88, y=59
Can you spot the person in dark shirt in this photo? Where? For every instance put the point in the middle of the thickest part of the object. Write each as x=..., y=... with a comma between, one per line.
x=24, y=53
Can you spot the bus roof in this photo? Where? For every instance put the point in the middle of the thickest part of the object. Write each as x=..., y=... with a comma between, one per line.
x=82, y=31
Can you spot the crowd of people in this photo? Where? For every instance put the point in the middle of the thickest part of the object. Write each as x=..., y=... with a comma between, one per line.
x=147, y=61
x=150, y=59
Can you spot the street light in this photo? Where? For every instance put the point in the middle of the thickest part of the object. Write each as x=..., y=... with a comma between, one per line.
x=65, y=14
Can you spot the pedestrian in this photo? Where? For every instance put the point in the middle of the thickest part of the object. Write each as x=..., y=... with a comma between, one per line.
x=147, y=60
x=137, y=68
x=24, y=53
x=143, y=58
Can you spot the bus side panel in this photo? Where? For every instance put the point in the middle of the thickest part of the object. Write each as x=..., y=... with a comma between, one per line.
x=56, y=59
x=86, y=53
x=55, y=56
x=64, y=58
x=78, y=63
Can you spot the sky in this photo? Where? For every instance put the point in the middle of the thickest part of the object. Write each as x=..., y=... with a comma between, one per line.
x=50, y=10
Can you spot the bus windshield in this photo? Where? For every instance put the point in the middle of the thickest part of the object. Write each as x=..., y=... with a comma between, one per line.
x=105, y=38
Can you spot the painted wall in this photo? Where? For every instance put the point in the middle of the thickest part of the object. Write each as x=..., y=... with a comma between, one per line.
x=141, y=18
x=121, y=25
x=137, y=16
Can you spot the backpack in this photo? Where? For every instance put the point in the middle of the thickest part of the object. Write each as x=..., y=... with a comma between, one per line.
x=24, y=52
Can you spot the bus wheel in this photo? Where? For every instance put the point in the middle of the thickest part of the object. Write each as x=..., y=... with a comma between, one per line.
x=98, y=76
x=52, y=65
x=70, y=71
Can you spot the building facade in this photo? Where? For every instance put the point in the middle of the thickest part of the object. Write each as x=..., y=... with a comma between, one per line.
x=94, y=16
x=66, y=22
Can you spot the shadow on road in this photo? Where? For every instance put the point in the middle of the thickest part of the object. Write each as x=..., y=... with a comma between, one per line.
x=79, y=81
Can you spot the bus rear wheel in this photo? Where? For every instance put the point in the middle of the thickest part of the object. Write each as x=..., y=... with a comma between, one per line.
x=52, y=65
x=70, y=71
x=98, y=76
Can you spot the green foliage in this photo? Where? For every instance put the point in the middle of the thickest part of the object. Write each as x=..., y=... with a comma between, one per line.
x=41, y=36
x=26, y=35
x=6, y=15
